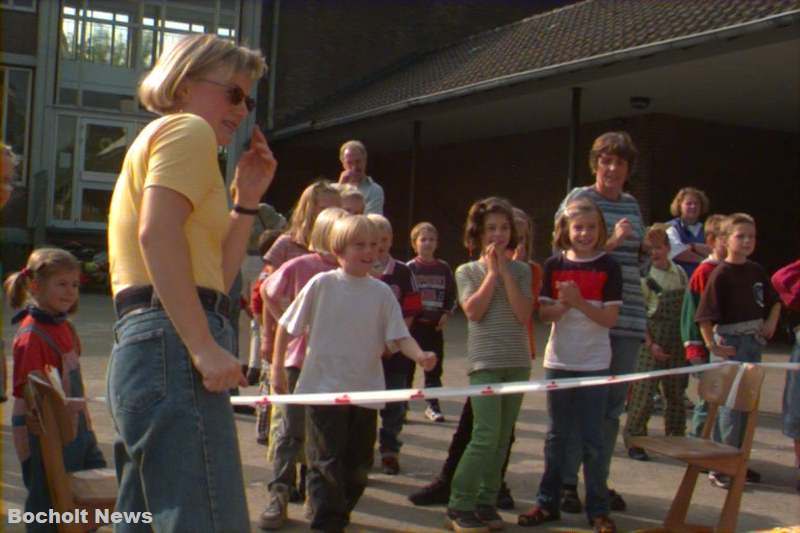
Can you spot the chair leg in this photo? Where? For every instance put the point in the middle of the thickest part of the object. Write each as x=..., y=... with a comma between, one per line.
x=676, y=517
x=730, y=510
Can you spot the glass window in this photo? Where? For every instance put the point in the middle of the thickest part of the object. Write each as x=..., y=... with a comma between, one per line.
x=15, y=112
x=65, y=166
x=95, y=204
x=104, y=148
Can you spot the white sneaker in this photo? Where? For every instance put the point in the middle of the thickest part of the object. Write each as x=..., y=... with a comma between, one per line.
x=434, y=415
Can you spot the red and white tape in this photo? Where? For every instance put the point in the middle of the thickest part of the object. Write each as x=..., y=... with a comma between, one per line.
x=517, y=387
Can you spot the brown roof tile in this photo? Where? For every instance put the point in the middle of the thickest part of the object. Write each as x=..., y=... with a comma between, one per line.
x=576, y=32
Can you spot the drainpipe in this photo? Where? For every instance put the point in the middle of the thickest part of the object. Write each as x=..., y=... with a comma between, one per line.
x=415, y=146
x=574, y=131
x=273, y=60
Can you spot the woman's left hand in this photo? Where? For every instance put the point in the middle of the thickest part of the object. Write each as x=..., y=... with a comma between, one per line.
x=254, y=172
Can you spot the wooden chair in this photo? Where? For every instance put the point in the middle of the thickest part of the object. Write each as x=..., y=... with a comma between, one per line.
x=704, y=454
x=85, y=489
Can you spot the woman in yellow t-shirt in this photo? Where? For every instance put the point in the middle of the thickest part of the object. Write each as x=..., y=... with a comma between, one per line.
x=174, y=250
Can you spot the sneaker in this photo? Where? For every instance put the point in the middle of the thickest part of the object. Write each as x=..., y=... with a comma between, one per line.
x=753, y=476
x=638, y=454
x=615, y=501
x=262, y=440
x=464, y=522
x=437, y=492
x=488, y=515
x=274, y=516
x=570, y=501
x=433, y=414
x=390, y=465
x=504, y=499
x=719, y=480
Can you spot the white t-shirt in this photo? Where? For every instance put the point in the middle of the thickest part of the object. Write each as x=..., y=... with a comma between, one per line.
x=349, y=320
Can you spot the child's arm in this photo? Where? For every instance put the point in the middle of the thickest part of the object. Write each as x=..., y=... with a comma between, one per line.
x=477, y=303
x=570, y=294
x=720, y=350
x=772, y=321
x=410, y=348
x=551, y=311
x=277, y=378
x=521, y=305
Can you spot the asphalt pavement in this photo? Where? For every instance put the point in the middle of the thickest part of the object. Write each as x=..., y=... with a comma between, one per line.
x=648, y=487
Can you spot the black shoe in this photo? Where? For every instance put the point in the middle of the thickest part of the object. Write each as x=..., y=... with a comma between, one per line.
x=615, y=501
x=570, y=502
x=504, y=499
x=464, y=522
x=488, y=515
x=753, y=476
x=638, y=454
x=435, y=493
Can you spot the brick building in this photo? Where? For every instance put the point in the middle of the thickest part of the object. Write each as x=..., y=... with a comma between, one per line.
x=705, y=88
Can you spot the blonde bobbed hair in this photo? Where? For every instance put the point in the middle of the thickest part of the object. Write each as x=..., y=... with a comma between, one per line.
x=321, y=233
x=194, y=57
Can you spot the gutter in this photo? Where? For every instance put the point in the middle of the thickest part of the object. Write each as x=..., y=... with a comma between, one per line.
x=780, y=20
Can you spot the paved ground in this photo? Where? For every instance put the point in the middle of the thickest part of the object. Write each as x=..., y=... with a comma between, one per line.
x=647, y=487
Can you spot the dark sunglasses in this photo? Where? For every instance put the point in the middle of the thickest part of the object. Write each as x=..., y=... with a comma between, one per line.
x=235, y=94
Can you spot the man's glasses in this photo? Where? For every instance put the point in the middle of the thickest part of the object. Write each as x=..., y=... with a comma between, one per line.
x=235, y=94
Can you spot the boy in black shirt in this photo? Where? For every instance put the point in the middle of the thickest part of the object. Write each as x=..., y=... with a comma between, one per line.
x=738, y=313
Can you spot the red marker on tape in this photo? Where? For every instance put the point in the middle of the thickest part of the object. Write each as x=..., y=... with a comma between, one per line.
x=343, y=399
x=417, y=395
x=487, y=391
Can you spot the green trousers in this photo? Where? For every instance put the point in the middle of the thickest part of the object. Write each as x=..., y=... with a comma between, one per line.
x=478, y=475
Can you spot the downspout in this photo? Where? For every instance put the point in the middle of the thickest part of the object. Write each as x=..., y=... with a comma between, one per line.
x=273, y=59
x=574, y=131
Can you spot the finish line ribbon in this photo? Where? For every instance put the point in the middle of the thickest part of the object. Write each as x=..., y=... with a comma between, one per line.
x=517, y=387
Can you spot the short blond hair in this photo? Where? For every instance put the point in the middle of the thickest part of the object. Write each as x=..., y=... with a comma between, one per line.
x=321, y=233
x=417, y=230
x=382, y=223
x=675, y=206
x=657, y=235
x=193, y=57
x=355, y=145
x=713, y=225
x=349, y=228
x=348, y=190
x=726, y=228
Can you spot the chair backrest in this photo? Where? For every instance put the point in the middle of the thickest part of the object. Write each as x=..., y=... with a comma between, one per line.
x=56, y=429
x=715, y=386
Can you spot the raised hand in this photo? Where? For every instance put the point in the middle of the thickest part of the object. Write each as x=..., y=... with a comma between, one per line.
x=254, y=172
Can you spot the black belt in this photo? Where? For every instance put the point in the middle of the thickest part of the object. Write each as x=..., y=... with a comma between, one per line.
x=144, y=297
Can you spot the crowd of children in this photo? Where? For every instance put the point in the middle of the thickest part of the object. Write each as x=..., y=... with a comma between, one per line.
x=330, y=273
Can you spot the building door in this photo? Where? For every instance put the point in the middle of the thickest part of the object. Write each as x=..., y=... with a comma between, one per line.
x=89, y=155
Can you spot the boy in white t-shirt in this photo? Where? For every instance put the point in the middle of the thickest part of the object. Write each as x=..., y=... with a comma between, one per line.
x=349, y=318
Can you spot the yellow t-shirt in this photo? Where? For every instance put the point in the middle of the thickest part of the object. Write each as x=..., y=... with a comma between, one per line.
x=177, y=151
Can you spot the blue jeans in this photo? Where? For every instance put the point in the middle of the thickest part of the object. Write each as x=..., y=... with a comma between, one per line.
x=176, y=450
x=791, y=395
x=577, y=412
x=731, y=424
x=624, y=354
x=393, y=415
